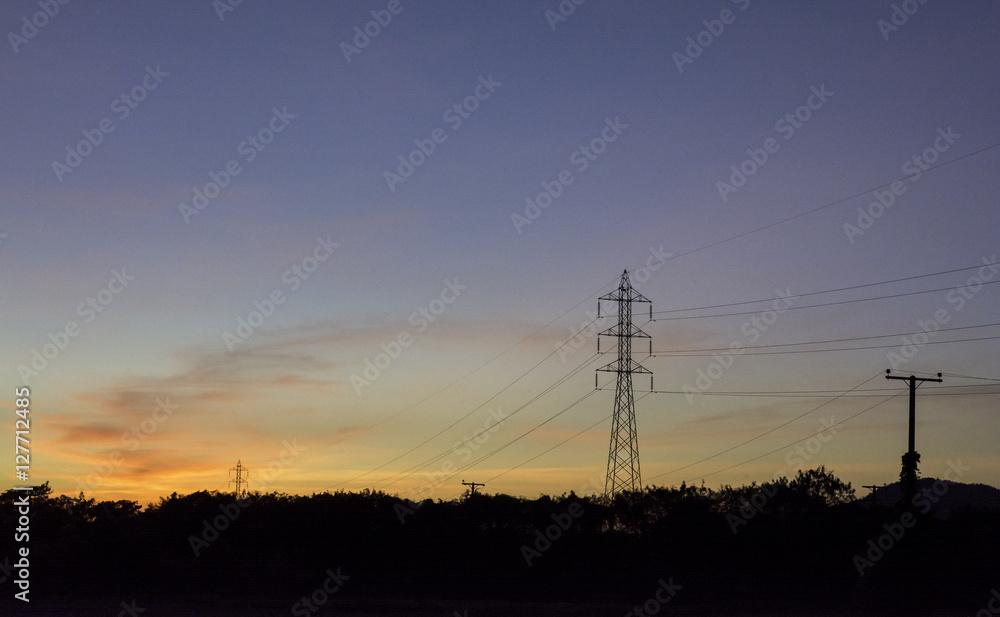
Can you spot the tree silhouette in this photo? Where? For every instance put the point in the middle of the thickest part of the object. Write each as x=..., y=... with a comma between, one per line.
x=795, y=541
x=908, y=475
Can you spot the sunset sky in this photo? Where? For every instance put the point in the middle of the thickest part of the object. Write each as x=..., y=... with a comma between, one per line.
x=215, y=218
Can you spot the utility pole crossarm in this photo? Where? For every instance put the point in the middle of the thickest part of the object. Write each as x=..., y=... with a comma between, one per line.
x=874, y=490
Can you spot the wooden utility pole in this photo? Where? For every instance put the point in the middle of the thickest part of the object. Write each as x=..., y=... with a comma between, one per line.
x=908, y=475
x=472, y=487
x=913, y=400
x=874, y=489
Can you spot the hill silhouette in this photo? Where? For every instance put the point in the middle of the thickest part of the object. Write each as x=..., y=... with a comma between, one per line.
x=960, y=498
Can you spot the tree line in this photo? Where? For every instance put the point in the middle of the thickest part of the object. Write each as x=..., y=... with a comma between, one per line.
x=784, y=543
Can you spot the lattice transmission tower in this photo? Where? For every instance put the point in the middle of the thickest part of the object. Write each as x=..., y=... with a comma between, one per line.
x=240, y=480
x=623, y=453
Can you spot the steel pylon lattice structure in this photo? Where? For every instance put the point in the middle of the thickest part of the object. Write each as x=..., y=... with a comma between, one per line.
x=623, y=453
x=240, y=480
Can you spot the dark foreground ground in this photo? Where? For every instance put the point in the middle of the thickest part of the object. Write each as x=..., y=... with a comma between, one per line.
x=249, y=607
x=770, y=593
x=798, y=549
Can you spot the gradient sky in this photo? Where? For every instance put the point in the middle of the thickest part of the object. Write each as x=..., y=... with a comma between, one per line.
x=284, y=397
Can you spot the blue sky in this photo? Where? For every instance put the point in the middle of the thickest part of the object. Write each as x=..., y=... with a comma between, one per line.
x=447, y=240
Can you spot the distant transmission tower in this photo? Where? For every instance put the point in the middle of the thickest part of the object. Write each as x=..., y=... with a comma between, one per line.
x=623, y=453
x=240, y=480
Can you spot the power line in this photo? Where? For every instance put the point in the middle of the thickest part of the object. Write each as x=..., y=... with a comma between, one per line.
x=769, y=431
x=412, y=470
x=832, y=203
x=483, y=404
x=860, y=347
x=521, y=436
x=530, y=431
x=969, y=377
x=712, y=245
x=547, y=450
x=796, y=393
x=799, y=215
x=824, y=393
x=786, y=446
x=810, y=306
x=825, y=291
x=804, y=395
x=827, y=393
x=568, y=439
x=681, y=352
x=442, y=389
x=427, y=462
